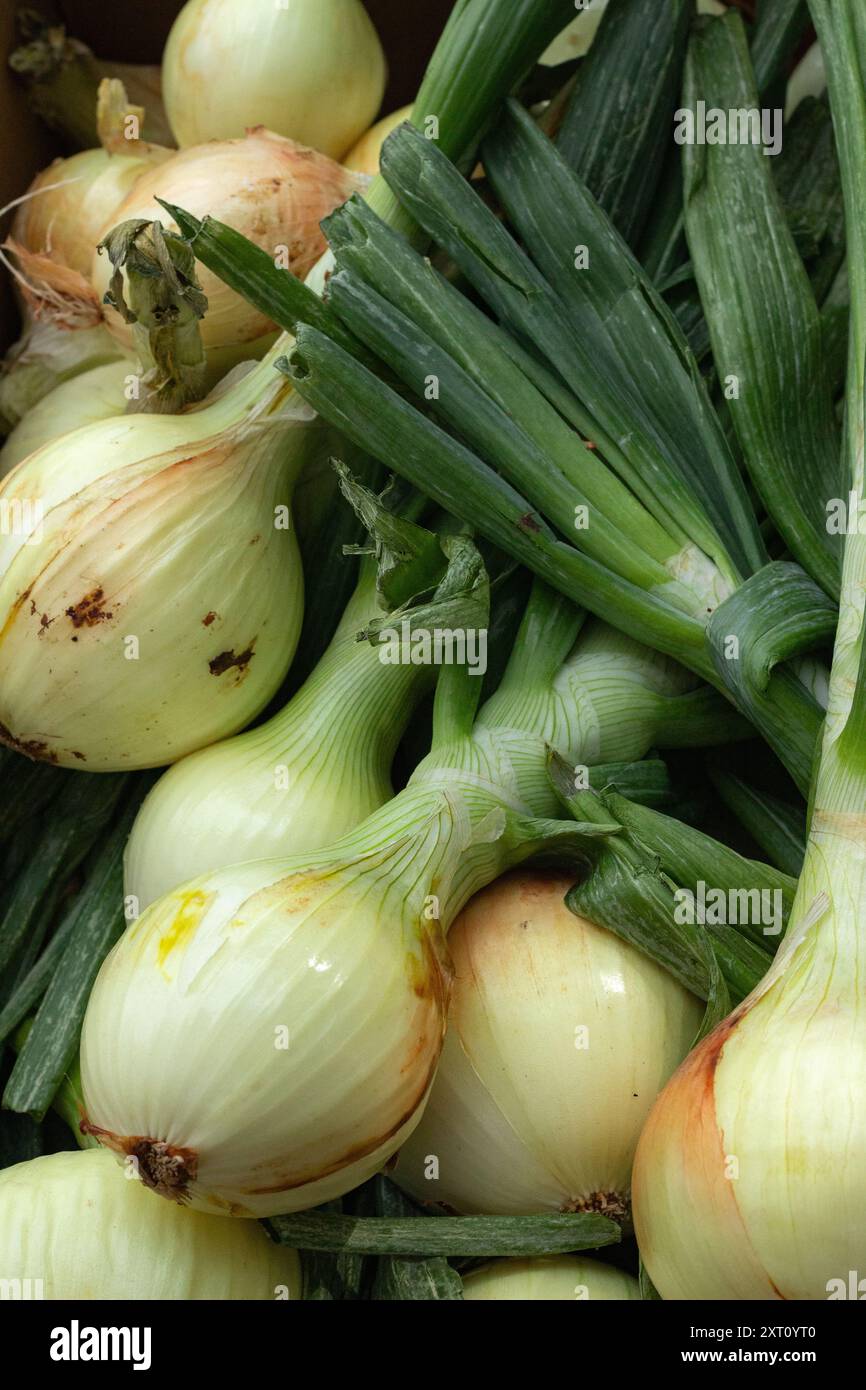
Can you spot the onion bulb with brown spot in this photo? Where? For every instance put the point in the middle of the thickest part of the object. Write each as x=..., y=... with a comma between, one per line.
x=75, y=1226
x=121, y=536
x=560, y=1037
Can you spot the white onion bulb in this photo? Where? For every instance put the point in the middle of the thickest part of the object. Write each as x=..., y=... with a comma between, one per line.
x=560, y=1037
x=56, y=227
x=67, y=205
x=274, y=191
x=150, y=589
x=750, y=1176
x=261, y=1039
x=313, y=70
x=78, y=1227
x=559, y=1278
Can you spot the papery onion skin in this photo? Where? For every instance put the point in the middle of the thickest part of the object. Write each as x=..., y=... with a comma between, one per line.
x=94, y=395
x=87, y=1230
x=528, y=1112
x=750, y=1177
x=65, y=222
x=271, y=189
x=558, y=1278
x=160, y=531
x=313, y=70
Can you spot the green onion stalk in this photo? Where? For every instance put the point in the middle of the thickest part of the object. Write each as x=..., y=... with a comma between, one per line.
x=750, y=1179
x=764, y=322
x=264, y=1037
x=588, y=447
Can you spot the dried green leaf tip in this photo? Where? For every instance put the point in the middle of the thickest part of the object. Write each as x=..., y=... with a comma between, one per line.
x=147, y=251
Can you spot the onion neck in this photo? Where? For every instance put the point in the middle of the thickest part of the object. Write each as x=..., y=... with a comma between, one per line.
x=350, y=714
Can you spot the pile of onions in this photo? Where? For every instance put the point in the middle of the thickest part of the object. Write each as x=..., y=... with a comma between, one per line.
x=560, y=1037
x=70, y=1222
x=558, y=1278
x=274, y=191
x=313, y=70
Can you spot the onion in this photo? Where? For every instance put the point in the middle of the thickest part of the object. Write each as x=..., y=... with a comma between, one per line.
x=560, y=1037
x=67, y=205
x=74, y=1227
x=274, y=191
x=809, y=79
x=282, y=1019
x=296, y=783
x=46, y=356
x=749, y=1179
x=552, y=1277
x=56, y=226
x=310, y=69
x=364, y=156
x=266, y=1035
x=150, y=584
x=63, y=79
x=98, y=394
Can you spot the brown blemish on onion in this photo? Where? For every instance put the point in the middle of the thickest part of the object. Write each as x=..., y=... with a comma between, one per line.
x=30, y=747
x=226, y=660
x=15, y=610
x=89, y=610
x=208, y=618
